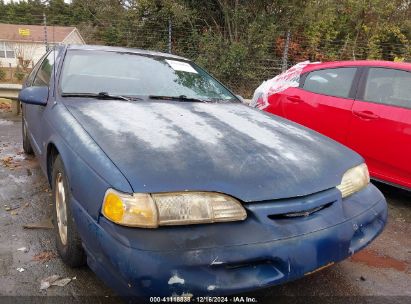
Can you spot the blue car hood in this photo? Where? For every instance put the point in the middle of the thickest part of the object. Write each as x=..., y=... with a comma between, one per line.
x=228, y=148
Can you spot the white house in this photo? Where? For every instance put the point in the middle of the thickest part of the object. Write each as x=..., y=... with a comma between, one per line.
x=27, y=43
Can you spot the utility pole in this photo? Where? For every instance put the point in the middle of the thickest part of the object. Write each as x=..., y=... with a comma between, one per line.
x=45, y=31
x=169, y=34
x=285, y=54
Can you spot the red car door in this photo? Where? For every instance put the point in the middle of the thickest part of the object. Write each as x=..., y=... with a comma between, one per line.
x=324, y=102
x=381, y=126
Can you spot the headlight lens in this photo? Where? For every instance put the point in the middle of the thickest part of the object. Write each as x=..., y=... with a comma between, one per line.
x=354, y=180
x=177, y=208
x=137, y=210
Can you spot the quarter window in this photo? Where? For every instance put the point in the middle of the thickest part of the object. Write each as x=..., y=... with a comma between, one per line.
x=388, y=86
x=333, y=82
x=33, y=73
x=44, y=73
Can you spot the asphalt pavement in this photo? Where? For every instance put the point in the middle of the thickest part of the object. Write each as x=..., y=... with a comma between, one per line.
x=379, y=274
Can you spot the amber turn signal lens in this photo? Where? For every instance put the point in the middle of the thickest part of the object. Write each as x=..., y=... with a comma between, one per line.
x=134, y=210
x=113, y=207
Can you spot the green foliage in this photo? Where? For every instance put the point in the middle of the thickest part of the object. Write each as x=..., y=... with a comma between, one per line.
x=19, y=74
x=240, y=42
x=2, y=74
x=351, y=29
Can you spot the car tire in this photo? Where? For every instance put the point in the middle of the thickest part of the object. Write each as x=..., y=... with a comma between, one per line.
x=27, y=148
x=68, y=241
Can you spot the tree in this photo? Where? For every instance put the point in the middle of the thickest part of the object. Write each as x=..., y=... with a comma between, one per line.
x=241, y=42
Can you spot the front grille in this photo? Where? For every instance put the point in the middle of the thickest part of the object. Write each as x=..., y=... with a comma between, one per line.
x=296, y=207
x=304, y=213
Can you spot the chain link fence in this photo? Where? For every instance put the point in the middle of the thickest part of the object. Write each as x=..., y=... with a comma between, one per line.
x=242, y=65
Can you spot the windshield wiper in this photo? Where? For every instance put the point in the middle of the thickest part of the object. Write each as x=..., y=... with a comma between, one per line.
x=101, y=95
x=181, y=98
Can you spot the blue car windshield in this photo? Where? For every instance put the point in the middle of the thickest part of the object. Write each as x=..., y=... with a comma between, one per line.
x=128, y=74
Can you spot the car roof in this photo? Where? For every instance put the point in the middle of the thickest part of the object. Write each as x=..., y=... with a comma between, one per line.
x=88, y=47
x=373, y=63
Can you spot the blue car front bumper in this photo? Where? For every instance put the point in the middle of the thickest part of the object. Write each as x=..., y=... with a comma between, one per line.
x=230, y=258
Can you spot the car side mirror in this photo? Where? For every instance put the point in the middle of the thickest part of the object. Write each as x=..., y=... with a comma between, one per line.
x=34, y=95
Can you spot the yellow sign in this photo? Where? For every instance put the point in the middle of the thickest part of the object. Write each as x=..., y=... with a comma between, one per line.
x=24, y=32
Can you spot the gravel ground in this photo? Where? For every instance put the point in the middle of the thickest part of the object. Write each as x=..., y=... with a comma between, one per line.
x=379, y=274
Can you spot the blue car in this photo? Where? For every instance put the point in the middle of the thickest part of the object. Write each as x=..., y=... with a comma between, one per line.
x=165, y=184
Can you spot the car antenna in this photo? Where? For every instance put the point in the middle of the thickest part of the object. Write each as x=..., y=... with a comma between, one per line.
x=54, y=66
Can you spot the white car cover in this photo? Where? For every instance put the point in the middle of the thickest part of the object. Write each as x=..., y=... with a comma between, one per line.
x=289, y=78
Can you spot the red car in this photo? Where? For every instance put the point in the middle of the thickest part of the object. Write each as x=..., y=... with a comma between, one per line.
x=365, y=105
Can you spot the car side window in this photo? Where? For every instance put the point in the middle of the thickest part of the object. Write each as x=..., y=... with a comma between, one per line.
x=30, y=78
x=334, y=82
x=33, y=73
x=388, y=86
x=44, y=72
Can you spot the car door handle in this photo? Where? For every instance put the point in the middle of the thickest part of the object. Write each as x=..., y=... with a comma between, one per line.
x=294, y=99
x=368, y=115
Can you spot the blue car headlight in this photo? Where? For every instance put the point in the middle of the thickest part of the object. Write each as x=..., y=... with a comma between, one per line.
x=354, y=180
x=175, y=208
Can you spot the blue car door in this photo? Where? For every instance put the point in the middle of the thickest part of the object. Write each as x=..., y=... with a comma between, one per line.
x=33, y=114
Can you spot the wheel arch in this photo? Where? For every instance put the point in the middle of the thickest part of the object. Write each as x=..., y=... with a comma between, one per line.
x=52, y=153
